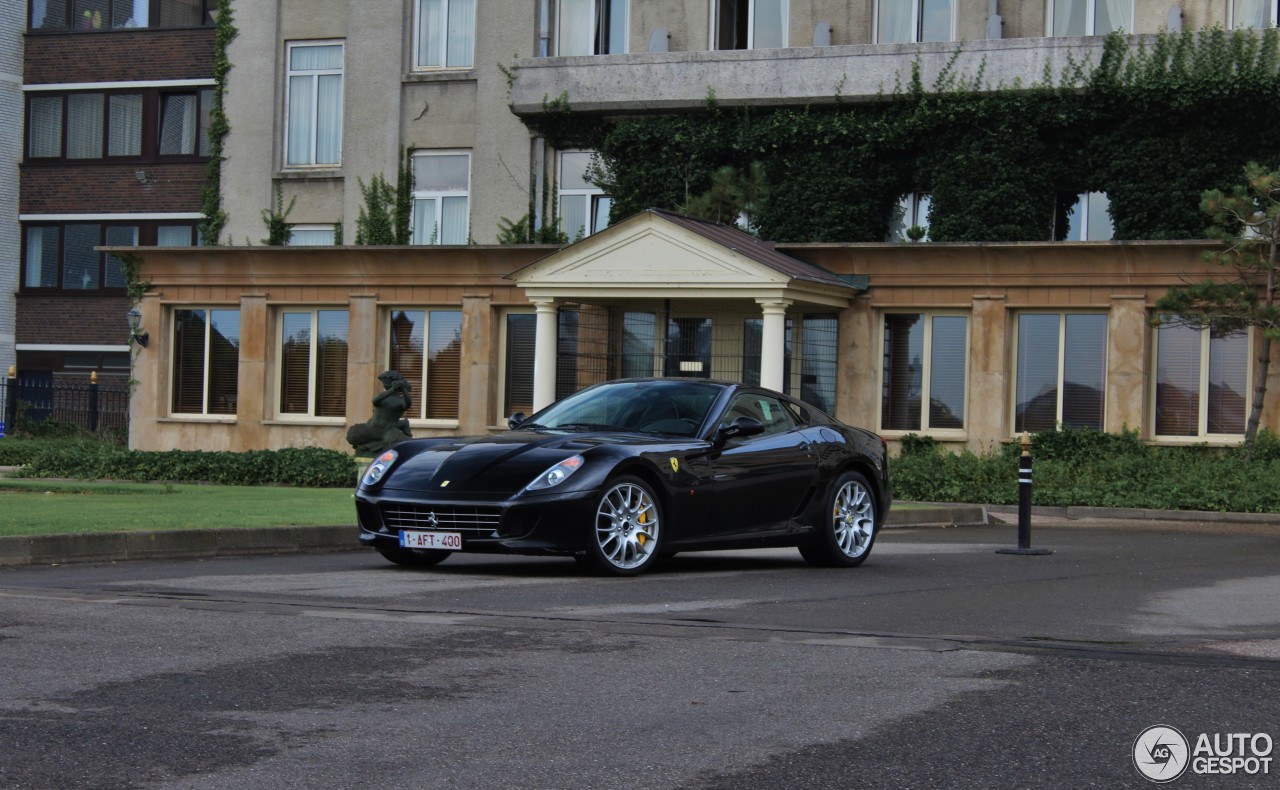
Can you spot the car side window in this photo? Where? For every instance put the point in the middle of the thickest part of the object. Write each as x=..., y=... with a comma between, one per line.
x=769, y=411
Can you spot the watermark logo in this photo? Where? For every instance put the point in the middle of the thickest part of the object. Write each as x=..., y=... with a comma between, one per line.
x=1160, y=753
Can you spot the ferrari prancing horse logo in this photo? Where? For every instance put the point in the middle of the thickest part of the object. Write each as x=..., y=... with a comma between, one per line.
x=675, y=464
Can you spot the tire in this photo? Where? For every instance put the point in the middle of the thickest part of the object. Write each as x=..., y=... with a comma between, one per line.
x=414, y=558
x=848, y=530
x=626, y=531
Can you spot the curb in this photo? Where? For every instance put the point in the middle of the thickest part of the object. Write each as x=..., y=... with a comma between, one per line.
x=1080, y=513
x=174, y=544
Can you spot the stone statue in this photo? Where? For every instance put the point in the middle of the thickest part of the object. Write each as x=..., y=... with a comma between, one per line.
x=387, y=427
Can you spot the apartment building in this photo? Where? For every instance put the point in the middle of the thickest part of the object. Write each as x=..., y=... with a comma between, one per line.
x=12, y=24
x=271, y=347
x=115, y=96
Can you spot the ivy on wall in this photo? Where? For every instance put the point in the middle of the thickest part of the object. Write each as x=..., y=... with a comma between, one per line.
x=1152, y=127
x=214, y=216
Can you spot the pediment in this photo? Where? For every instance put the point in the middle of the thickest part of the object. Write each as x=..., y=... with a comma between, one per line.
x=648, y=250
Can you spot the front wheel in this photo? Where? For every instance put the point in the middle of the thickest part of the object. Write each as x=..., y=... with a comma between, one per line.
x=849, y=525
x=627, y=532
x=413, y=558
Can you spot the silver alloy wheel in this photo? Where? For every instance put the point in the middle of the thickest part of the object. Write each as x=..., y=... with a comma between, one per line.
x=853, y=519
x=627, y=526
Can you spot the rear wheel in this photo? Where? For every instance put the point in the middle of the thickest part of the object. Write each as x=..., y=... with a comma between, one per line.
x=849, y=525
x=413, y=558
x=627, y=534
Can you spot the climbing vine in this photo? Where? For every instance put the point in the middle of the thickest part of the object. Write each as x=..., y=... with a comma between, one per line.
x=213, y=215
x=1153, y=127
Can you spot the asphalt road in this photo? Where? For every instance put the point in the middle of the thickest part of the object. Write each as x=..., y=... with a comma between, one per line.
x=938, y=663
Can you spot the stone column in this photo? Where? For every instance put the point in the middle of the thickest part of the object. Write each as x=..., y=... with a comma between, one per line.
x=773, y=342
x=1128, y=349
x=363, y=365
x=987, y=421
x=544, y=355
x=476, y=393
x=255, y=397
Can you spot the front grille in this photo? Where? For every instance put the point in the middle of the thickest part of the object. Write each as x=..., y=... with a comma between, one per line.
x=453, y=518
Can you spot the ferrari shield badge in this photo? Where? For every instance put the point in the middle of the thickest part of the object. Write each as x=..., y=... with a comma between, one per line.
x=675, y=464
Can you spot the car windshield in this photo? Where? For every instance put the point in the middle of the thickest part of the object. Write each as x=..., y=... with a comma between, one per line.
x=675, y=407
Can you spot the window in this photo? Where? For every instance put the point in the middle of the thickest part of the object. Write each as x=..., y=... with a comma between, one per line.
x=1258, y=14
x=592, y=27
x=63, y=255
x=314, y=126
x=148, y=126
x=313, y=363
x=768, y=410
x=913, y=21
x=584, y=207
x=1089, y=17
x=1201, y=382
x=58, y=15
x=923, y=384
x=912, y=211
x=441, y=185
x=750, y=24
x=809, y=361
x=1061, y=371
x=425, y=347
x=445, y=34
x=1087, y=219
x=206, y=359
x=521, y=340
x=311, y=236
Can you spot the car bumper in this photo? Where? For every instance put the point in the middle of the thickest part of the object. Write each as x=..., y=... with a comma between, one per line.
x=549, y=524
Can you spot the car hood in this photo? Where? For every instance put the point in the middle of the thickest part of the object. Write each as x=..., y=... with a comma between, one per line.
x=501, y=464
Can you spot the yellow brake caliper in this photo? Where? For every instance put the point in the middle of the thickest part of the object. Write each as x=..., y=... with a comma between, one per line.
x=641, y=537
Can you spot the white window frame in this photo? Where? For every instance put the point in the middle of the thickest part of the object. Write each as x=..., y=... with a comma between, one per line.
x=926, y=373
x=915, y=208
x=417, y=414
x=751, y=25
x=624, y=8
x=446, y=46
x=438, y=196
x=313, y=228
x=1202, y=418
x=1086, y=204
x=917, y=16
x=1090, y=18
x=315, y=74
x=312, y=356
x=1272, y=9
x=1062, y=316
x=591, y=194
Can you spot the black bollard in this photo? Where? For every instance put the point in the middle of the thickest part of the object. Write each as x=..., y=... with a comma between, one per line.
x=1024, y=503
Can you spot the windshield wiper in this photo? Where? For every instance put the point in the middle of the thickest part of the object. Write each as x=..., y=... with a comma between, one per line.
x=589, y=426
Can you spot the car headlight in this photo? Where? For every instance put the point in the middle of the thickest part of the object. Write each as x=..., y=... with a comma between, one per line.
x=378, y=468
x=556, y=474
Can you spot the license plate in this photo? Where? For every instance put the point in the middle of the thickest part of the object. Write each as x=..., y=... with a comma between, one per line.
x=448, y=541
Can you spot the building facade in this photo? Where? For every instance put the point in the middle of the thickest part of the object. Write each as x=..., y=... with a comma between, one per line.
x=12, y=24
x=254, y=347
x=113, y=152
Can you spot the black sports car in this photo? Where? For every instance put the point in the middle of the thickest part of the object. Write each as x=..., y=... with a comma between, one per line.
x=624, y=472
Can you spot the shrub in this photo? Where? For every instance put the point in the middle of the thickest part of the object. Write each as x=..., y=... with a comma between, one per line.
x=90, y=460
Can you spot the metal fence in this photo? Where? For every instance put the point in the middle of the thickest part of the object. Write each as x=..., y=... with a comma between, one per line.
x=91, y=406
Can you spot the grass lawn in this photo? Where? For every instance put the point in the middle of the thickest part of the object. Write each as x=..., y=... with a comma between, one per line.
x=44, y=507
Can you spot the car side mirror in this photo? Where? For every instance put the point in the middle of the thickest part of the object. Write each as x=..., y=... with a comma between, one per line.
x=740, y=428
x=514, y=420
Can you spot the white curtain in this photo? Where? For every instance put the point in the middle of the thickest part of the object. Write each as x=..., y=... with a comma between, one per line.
x=126, y=125
x=576, y=26
x=769, y=24
x=178, y=124
x=453, y=220
x=1251, y=13
x=462, y=33
x=1118, y=16
x=573, y=216
x=300, y=121
x=46, y=127
x=424, y=221
x=329, y=120
x=84, y=126
x=1069, y=18
x=895, y=22
x=430, y=14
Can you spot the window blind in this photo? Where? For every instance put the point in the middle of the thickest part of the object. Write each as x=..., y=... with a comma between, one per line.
x=521, y=335
x=444, y=364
